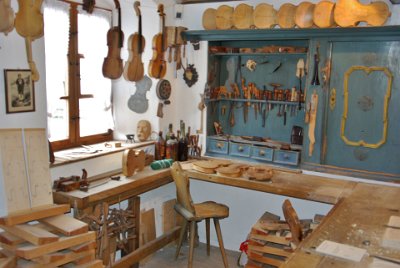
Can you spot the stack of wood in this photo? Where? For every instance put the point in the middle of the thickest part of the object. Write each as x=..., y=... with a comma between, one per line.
x=46, y=237
x=271, y=240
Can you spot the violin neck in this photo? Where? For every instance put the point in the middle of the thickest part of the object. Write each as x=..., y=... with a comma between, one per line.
x=140, y=34
x=163, y=32
x=119, y=27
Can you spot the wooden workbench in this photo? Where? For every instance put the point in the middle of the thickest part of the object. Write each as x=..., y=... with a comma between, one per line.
x=359, y=213
x=114, y=191
x=358, y=217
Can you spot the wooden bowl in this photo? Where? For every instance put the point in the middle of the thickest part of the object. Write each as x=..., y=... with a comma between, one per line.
x=243, y=17
x=286, y=15
x=208, y=20
x=205, y=166
x=304, y=15
x=265, y=16
x=323, y=14
x=223, y=17
x=259, y=173
x=230, y=171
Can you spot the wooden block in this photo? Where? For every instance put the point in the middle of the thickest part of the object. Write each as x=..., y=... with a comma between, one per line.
x=10, y=239
x=170, y=217
x=391, y=238
x=271, y=238
x=270, y=250
x=8, y=261
x=260, y=258
x=394, y=221
x=66, y=225
x=93, y=264
x=37, y=162
x=14, y=193
x=31, y=233
x=86, y=259
x=132, y=160
x=67, y=257
x=147, y=226
x=33, y=214
x=84, y=247
x=293, y=221
x=30, y=251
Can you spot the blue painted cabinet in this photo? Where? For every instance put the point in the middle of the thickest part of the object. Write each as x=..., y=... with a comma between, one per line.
x=357, y=122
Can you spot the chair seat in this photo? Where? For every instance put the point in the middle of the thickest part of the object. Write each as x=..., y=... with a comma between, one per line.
x=210, y=209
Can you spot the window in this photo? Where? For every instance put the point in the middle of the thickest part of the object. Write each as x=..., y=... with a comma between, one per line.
x=79, y=108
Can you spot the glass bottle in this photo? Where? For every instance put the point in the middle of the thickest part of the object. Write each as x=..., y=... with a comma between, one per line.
x=183, y=144
x=172, y=148
x=160, y=147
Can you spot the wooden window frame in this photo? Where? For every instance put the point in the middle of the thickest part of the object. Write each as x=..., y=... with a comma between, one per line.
x=74, y=93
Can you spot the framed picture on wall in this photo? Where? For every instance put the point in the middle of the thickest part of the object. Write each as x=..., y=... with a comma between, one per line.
x=20, y=95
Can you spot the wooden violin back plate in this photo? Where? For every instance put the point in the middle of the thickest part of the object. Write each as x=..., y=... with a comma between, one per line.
x=223, y=17
x=286, y=16
x=304, y=15
x=265, y=16
x=323, y=14
x=29, y=19
x=6, y=17
x=208, y=19
x=243, y=17
x=349, y=13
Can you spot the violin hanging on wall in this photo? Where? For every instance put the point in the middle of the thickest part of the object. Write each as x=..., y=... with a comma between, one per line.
x=158, y=66
x=112, y=65
x=29, y=24
x=134, y=70
x=6, y=17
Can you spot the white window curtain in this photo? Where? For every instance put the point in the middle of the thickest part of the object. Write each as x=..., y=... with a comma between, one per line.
x=95, y=113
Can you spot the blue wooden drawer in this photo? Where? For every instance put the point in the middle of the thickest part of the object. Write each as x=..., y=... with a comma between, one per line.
x=217, y=146
x=286, y=157
x=239, y=149
x=262, y=153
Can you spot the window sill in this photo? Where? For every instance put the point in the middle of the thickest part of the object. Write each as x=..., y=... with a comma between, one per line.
x=96, y=150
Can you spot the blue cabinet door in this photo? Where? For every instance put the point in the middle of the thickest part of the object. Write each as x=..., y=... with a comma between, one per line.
x=363, y=127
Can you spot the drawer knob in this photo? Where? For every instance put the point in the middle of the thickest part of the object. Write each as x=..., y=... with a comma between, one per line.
x=220, y=145
x=262, y=153
x=240, y=149
x=286, y=157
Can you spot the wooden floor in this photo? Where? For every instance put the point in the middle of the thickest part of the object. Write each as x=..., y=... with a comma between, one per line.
x=165, y=258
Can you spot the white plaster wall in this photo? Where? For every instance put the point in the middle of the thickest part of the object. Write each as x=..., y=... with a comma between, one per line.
x=13, y=56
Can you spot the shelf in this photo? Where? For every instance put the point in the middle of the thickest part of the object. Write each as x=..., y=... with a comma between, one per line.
x=256, y=101
x=351, y=33
x=257, y=54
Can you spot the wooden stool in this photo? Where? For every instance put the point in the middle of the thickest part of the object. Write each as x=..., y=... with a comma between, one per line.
x=193, y=213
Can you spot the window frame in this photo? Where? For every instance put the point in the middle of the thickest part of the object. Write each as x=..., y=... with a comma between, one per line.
x=74, y=96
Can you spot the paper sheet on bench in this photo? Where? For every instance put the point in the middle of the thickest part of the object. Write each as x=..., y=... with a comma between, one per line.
x=342, y=251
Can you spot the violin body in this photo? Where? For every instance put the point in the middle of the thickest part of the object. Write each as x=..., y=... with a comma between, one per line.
x=112, y=64
x=349, y=13
x=6, y=17
x=158, y=66
x=29, y=19
x=134, y=70
x=29, y=24
x=138, y=101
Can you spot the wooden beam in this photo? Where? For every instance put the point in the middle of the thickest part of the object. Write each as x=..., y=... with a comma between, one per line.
x=66, y=225
x=33, y=214
x=31, y=233
x=148, y=249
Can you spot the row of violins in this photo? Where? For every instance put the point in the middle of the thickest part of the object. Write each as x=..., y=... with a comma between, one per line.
x=134, y=70
x=29, y=24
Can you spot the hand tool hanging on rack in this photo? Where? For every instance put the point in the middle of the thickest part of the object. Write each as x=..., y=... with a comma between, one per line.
x=266, y=106
x=300, y=74
x=315, y=79
x=246, y=95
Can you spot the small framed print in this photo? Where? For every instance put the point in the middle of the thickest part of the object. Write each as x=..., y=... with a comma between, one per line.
x=20, y=95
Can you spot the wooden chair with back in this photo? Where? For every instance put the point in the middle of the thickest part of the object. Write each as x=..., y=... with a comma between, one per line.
x=193, y=213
